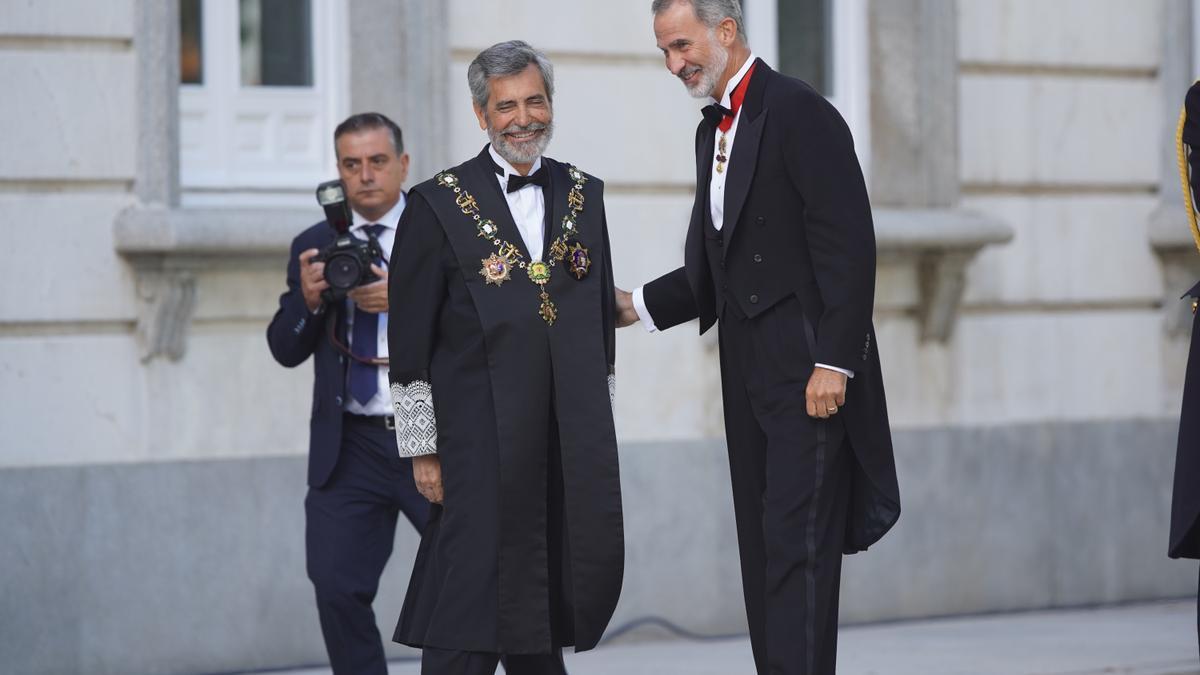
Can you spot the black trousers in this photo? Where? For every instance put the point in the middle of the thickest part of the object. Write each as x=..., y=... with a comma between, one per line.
x=351, y=524
x=791, y=484
x=449, y=662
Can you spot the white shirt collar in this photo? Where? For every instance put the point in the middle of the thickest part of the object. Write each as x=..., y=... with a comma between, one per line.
x=508, y=168
x=734, y=82
x=389, y=220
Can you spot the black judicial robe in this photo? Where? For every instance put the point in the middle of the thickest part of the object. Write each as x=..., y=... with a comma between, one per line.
x=501, y=380
x=1185, y=505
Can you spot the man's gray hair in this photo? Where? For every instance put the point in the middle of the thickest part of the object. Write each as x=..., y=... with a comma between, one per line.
x=710, y=12
x=504, y=59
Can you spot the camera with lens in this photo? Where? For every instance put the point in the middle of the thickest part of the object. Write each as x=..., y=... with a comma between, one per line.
x=348, y=259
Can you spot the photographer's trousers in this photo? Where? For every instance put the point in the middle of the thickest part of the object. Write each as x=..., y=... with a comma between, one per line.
x=791, y=491
x=350, y=528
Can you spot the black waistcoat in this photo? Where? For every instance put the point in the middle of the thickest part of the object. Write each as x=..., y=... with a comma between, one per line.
x=714, y=249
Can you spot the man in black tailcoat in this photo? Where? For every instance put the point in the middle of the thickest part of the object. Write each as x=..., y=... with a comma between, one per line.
x=1185, y=506
x=781, y=252
x=502, y=344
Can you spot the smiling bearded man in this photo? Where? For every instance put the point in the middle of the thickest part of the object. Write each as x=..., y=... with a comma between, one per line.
x=780, y=255
x=502, y=343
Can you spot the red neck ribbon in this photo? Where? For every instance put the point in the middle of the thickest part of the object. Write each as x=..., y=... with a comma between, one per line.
x=736, y=98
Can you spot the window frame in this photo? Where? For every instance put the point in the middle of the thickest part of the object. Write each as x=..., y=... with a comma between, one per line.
x=851, y=59
x=1195, y=61
x=211, y=172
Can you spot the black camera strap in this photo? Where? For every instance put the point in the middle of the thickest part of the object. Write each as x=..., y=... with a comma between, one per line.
x=379, y=247
x=330, y=329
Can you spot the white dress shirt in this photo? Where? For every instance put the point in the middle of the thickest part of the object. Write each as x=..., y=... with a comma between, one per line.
x=716, y=191
x=716, y=181
x=527, y=205
x=381, y=403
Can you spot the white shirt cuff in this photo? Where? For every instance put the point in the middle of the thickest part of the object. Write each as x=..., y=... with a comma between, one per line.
x=639, y=304
x=847, y=373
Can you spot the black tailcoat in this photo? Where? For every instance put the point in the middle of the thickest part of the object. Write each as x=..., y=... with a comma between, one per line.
x=797, y=224
x=501, y=381
x=1185, y=506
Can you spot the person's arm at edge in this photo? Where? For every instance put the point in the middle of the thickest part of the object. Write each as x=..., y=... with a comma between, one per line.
x=294, y=331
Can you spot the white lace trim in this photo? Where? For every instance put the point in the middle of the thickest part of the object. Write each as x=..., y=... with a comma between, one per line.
x=612, y=392
x=416, y=423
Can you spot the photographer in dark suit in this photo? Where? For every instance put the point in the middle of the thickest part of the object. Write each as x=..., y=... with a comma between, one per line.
x=358, y=483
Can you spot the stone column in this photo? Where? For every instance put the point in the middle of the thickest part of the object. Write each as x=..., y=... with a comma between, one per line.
x=157, y=179
x=403, y=74
x=914, y=103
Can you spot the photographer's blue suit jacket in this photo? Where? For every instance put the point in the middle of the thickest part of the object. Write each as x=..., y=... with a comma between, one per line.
x=295, y=334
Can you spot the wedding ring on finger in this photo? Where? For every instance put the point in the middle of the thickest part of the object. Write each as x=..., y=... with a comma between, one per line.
x=832, y=410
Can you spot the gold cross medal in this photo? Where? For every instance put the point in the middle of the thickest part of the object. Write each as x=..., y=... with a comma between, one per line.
x=721, y=155
x=496, y=269
x=578, y=261
x=539, y=273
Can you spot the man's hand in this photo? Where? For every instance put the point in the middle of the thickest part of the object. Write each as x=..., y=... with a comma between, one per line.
x=312, y=279
x=372, y=297
x=427, y=474
x=626, y=314
x=826, y=392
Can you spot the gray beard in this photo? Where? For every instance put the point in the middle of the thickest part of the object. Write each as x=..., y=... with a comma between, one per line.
x=514, y=155
x=710, y=73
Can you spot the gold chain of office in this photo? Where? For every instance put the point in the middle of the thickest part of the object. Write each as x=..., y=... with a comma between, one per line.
x=497, y=267
x=1181, y=156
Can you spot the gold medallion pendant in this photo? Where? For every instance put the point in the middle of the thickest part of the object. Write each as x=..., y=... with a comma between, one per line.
x=578, y=261
x=539, y=272
x=496, y=269
x=547, y=311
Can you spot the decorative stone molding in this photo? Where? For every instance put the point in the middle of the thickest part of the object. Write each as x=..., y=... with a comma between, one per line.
x=167, y=247
x=166, y=300
x=914, y=157
x=1171, y=239
x=940, y=243
x=1169, y=232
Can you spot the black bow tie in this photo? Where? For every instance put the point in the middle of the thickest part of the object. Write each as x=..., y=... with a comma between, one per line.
x=540, y=177
x=715, y=112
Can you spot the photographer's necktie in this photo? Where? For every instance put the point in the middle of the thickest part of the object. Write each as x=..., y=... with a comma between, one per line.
x=364, y=378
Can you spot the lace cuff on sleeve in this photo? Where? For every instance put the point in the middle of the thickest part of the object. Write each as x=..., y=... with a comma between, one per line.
x=416, y=424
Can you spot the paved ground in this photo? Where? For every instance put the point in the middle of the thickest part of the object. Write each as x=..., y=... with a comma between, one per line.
x=1153, y=639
